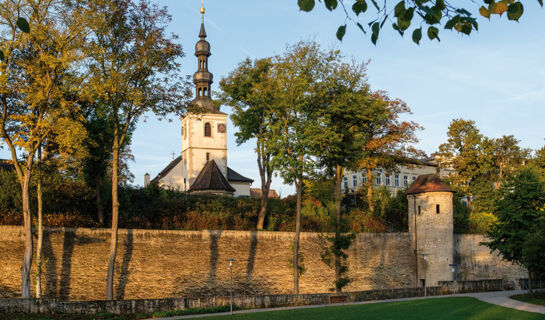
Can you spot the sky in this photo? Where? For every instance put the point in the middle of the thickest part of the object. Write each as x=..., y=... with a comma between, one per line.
x=495, y=77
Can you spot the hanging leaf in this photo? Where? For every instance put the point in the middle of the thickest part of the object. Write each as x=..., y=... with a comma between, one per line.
x=306, y=5
x=360, y=26
x=23, y=25
x=340, y=32
x=330, y=4
x=359, y=7
x=484, y=12
x=515, y=11
x=417, y=35
x=375, y=28
x=374, y=38
x=433, y=33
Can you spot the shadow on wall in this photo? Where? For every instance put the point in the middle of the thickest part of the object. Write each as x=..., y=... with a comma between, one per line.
x=55, y=287
x=124, y=274
x=243, y=284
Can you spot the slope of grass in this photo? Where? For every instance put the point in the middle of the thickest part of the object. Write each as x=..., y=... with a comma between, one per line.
x=539, y=298
x=437, y=309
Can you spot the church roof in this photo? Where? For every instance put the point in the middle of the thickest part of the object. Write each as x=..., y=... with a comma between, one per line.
x=428, y=183
x=211, y=178
x=167, y=169
x=234, y=176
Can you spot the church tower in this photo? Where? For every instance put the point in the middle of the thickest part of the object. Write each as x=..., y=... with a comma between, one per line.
x=202, y=166
x=204, y=127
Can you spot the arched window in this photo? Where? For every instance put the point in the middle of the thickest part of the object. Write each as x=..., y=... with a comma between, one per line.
x=200, y=92
x=204, y=91
x=207, y=130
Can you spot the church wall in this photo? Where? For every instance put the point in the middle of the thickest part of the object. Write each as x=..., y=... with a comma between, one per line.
x=174, y=179
x=170, y=263
x=242, y=188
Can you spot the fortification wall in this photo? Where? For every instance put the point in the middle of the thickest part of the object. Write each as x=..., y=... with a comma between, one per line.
x=166, y=263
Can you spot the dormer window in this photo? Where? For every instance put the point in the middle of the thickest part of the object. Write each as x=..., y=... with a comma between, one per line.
x=207, y=129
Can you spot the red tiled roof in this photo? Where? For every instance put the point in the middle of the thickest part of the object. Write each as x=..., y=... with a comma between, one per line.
x=428, y=183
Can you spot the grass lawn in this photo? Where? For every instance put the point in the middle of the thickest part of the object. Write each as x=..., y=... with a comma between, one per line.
x=442, y=309
x=539, y=298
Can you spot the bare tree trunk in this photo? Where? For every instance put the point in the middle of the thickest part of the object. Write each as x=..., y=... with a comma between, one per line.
x=27, y=260
x=265, y=188
x=39, y=245
x=530, y=289
x=370, y=191
x=297, y=235
x=337, y=195
x=98, y=187
x=115, y=214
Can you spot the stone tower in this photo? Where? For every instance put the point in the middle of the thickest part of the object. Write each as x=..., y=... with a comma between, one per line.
x=204, y=127
x=431, y=229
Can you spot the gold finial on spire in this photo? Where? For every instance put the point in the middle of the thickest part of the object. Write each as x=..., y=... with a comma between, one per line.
x=202, y=10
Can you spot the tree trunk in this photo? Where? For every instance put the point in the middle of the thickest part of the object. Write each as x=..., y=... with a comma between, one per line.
x=98, y=188
x=27, y=260
x=115, y=214
x=39, y=245
x=530, y=289
x=337, y=194
x=297, y=235
x=265, y=188
x=370, y=191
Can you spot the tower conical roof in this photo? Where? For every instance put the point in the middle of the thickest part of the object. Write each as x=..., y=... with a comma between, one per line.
x=428, y=183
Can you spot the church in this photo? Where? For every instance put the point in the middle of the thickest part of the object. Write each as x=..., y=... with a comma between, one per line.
x=202, y=166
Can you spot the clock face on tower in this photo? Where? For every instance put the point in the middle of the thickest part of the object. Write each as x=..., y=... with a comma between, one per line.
x=221, y=128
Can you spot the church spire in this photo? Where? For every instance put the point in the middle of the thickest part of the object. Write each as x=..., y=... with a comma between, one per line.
x=203, y=78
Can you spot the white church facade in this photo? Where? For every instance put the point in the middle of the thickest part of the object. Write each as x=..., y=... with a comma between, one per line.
x=202, y=166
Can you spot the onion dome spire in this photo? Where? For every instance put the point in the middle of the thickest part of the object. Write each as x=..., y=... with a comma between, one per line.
x=203, y=78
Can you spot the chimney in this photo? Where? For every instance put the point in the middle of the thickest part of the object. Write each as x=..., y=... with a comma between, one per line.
x=146, y=180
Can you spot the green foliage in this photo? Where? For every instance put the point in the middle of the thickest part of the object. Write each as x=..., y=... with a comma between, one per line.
x=533, y=253
x=520, y=206
x=432, y=14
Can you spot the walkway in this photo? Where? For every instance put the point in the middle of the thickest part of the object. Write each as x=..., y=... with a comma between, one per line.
x=500, y=298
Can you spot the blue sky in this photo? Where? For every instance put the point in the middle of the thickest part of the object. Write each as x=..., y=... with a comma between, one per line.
x=496, y=76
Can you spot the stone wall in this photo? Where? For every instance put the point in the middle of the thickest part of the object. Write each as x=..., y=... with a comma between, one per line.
x=167, y=263
x=476, y=262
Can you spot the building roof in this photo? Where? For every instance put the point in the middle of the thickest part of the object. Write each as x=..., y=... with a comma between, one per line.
x=234, y=176
x=211, y=178
x=428, y=183
x=167, y=169
x=256, y=193
x=6, y=165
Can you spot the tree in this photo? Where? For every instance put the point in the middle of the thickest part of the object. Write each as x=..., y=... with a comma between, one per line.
x=519, y=208
x=470, y=154
x=39, y=73
x=250, y=91
x=389, y=140
x=346, y=115
x=297, y=75
x=508, y=156
x=533, y=255
x=133, y=70
x=538, y=162
x=431, y=15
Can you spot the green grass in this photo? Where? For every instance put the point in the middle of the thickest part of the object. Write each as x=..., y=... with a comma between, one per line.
x=441, y=308
x=438, y=309
x=539, y=298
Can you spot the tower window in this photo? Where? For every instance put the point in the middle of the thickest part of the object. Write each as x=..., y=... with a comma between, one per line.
x=207, y=130
x=200, y=92
x=419, y=210
x=208, y=156
x=437, y=209
x=204, y=92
